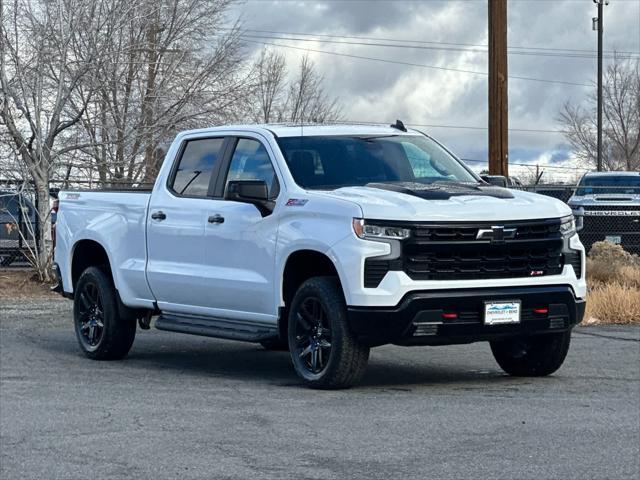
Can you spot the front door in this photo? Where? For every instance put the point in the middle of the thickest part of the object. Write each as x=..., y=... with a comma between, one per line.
x=240, y=242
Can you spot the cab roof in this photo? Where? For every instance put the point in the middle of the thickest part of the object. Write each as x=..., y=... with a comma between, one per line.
x=309, y=130
x=291, y=130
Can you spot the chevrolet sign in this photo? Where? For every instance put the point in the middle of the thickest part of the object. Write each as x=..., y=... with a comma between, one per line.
x=612, y=213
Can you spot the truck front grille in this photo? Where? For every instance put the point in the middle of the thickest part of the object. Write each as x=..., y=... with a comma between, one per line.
x=453, y=252
x=478, y=261
x=602, y=221
x=612, y=225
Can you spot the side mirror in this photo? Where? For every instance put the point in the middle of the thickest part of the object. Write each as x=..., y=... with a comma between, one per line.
x=254, y=192
x=247, y=191
x=497, y=180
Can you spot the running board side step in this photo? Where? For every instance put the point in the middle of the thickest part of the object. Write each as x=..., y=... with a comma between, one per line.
x=215, y=327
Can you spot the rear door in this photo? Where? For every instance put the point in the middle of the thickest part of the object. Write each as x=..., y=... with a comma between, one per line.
x=176, y=222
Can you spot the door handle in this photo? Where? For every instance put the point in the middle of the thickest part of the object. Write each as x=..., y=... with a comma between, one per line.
x=159, y=215
x=215, y=219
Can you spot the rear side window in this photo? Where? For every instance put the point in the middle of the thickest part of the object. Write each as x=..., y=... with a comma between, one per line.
x=198, y=162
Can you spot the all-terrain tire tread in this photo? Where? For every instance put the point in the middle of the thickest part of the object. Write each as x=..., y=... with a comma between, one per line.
x=349, y=368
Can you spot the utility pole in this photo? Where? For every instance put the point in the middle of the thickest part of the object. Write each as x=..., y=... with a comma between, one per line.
x=597, y=24
x=498, y=89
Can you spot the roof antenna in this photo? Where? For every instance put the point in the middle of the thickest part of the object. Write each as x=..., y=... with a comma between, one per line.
x=399, y=126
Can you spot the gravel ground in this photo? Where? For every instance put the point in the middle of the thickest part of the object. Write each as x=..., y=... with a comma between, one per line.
x=188, y=407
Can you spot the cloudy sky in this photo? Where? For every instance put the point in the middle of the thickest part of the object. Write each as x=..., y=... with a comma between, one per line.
x=377, y=91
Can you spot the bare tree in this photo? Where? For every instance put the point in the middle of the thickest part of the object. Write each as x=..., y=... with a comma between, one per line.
x=47, y=52
x=300, y=99
x=271, y=71
x=173, y=67
x=308, y=102
x=98, y=86
x=621, y=115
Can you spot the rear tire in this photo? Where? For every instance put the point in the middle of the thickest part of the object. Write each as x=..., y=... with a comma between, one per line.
x=102, y=334
x=534, y=356
x=324, y=352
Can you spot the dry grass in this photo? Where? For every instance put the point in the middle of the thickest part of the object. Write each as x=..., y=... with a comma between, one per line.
x=613, y=303
x=21, y=283
x=613, y=277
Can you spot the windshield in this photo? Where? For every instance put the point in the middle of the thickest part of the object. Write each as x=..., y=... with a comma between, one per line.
x=624, y=184
x=329, y=162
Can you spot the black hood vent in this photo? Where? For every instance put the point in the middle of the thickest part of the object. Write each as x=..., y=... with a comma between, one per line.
x=443, y=190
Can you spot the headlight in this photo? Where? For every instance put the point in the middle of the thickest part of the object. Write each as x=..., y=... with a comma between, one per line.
x=367, y=230
x=568, y=226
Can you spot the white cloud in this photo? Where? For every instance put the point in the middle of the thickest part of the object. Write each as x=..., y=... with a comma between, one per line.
x=376, y=91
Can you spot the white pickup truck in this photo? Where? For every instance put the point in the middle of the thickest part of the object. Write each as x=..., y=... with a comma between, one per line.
x=326, y=241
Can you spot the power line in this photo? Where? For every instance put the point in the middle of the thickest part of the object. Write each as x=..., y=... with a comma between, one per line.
x=421, y=45
x=460, y=127
x=432, y=42
x=419, y=65
x=559, y=167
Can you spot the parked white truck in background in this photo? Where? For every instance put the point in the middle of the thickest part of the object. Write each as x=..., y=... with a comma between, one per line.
x=326, y=240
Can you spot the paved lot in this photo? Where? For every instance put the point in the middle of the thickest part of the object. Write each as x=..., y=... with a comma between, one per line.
x=188, y=407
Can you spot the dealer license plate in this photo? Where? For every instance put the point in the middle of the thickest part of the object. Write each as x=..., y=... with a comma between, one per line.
x=614, y=239
x=500, y=313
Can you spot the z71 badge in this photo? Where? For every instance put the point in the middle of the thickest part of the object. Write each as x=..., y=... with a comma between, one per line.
x=296, y=202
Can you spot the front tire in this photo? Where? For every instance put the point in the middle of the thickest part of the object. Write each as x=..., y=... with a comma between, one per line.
x=324, y=352
x=102, y=334
x=534, y=356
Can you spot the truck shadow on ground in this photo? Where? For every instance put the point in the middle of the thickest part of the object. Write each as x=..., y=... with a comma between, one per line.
x=246, y=362
x=197, y=358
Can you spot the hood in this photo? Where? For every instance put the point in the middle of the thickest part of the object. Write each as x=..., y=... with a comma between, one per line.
x=383, y=204
x=605, y=199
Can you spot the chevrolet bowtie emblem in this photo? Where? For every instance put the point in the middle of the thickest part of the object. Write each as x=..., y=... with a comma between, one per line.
x=497, y=234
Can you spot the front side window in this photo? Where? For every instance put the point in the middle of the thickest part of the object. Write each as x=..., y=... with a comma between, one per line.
x=251, y=161
x=329, y=162
x=197, y=163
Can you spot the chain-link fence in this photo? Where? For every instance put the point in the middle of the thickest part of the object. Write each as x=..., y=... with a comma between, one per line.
x=606, y=213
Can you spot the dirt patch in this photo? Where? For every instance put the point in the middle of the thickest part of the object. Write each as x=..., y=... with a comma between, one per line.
x=16, y=284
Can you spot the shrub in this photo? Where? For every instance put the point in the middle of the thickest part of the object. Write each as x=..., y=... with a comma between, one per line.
x=613, y=277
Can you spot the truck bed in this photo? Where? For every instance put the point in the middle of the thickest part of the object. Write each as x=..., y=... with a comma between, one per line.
x=116, y=219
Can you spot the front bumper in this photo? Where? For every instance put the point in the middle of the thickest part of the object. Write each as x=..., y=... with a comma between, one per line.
x=418, y=318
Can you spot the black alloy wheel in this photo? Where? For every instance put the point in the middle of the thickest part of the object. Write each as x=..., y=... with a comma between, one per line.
x=312, y=335
x=90, y=315
x=324, y=352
